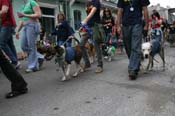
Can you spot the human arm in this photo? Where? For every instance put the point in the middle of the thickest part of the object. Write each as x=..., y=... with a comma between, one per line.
x=35, y=9
x=90, y=15
x=146, y=17
x=119, y=18
x=19, y=29
x=37, y=13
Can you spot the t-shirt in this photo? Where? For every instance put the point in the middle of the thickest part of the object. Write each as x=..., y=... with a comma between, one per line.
x=8, y=18
x=96, y=16
x=154, y=23
x=28, y=9
x=107, y=20
x=132, y=11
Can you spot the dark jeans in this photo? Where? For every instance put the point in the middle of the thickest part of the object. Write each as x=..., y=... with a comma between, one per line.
x=7, y=44
x=132, y=36
x=16, y=79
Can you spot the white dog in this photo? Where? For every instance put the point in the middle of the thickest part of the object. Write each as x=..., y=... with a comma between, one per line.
x=150, y=49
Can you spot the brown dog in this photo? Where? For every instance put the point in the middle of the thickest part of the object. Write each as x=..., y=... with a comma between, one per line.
x=64, y=57
x=91, y=51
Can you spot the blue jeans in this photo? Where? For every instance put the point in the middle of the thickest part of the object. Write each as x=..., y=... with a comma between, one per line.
x=28, y=44
x=7, y=44
x=132, y=36
x=108, y=36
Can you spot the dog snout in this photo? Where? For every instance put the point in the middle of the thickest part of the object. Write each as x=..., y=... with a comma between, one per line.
x=146, y=55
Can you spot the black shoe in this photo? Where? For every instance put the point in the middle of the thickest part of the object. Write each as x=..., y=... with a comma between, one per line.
x=132, y=76
x=16, y=93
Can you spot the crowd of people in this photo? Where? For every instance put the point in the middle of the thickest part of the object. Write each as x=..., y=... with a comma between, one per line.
x=128, y=31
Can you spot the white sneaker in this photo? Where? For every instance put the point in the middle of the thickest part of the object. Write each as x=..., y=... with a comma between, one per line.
x=18, y=65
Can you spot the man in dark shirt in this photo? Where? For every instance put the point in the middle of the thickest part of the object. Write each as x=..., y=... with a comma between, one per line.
x=93, y=20
x=130, y=12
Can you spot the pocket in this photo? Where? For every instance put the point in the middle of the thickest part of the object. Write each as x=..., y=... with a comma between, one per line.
x=98, y=33
x=37, y=28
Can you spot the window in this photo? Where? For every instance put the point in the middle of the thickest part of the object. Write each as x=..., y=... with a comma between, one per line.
x=77, y=19
x=48, y=21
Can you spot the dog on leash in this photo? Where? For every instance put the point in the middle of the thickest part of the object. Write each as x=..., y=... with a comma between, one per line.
x=64, y=57
x=108, y=52
x=150, y=49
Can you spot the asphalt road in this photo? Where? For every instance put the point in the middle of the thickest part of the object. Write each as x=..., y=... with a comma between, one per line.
x=110, y=93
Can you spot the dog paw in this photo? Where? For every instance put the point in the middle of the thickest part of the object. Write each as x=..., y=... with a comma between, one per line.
x=63, y=78
x=91, y=61
x=110, y=59
x=82, y=70
x=75, y=74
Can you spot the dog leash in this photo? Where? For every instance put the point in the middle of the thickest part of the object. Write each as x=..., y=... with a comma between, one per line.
x=70, y=39
x=156, y=60
x=86, y=28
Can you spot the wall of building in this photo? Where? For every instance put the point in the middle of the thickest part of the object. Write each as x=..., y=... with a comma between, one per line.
x=74, y=7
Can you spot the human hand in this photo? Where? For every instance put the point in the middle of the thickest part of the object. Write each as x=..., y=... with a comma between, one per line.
x=20, y=14
x=17, y=35
x=71, y=37
x=84, y=22
x=119, y=30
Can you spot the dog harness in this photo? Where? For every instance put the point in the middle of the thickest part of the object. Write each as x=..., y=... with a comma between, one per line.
x=155, y=47
x=70, y=54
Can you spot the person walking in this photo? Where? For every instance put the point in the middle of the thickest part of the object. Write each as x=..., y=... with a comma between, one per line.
x=155, y=24
x=93, y=20
x=108, y=23
x=30, y=15
x=63, y=31
x=130, y=12
x=7, y=29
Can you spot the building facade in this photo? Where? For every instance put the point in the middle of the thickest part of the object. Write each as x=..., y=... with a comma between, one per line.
x=73, y=9
x=166, y=13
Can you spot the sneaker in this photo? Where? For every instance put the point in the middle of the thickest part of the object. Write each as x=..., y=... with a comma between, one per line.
x=31, y=70
x=99, y=70
x=40, y=61
x=18, y=65
x=132, y=76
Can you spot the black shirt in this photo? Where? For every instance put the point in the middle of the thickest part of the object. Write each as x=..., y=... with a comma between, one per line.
x=63, y=31
x=132, y=11
x=96, y=16
x=107, y=20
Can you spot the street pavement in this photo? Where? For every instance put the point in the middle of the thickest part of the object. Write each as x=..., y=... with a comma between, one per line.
x=110, y=93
